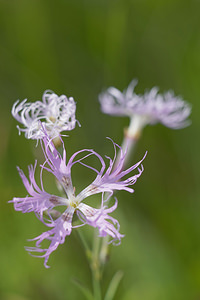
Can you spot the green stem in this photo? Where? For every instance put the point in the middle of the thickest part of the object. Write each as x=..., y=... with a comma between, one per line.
x=131, y=136
x=85, y=244
x=96, y=286
x=95, y=267
x=93, y=260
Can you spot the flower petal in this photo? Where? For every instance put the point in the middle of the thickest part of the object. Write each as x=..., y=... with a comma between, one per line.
x=56, y=113
x=39, y=200
x=152, y=107
x=100, y=219
x=112, y=178
x=62, y=227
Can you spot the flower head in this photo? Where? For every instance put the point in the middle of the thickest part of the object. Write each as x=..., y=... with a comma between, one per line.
x=42, y=203
x=56, y=113
x=149, y=108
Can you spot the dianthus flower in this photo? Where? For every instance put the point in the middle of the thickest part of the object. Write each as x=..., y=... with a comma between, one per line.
x=42, y=203
x=149, y=108
x=55, y=113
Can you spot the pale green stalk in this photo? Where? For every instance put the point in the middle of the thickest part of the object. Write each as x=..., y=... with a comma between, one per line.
x=94, y=263
x=131, y=136
x=95, y=267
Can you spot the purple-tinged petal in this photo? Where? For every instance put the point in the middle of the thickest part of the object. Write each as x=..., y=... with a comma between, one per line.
x=38, y=200
x=151, y=107
x=60, y=168
x=62, y=227
x=112, y=178
x=114, y=102
x=99, y=218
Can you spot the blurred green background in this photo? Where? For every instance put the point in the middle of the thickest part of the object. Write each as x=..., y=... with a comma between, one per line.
x=78, y=48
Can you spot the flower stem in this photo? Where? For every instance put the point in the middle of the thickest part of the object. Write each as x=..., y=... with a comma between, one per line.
x=95, y=267
x=88, y=252
x=131, y=136
x=96, y=286
x=93, y=261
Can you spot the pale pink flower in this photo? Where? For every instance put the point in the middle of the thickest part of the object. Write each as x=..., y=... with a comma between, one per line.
x=108, y=179
x=150, y=108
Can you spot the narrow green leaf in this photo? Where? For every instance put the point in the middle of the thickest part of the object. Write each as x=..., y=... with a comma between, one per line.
x=112, y=288
x=86, y=292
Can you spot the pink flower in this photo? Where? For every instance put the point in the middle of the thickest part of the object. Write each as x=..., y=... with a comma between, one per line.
x=150, y=108
x=42, y=203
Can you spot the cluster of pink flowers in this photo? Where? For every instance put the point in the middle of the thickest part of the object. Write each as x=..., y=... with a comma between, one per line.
x=44, y=120
x=37, y=119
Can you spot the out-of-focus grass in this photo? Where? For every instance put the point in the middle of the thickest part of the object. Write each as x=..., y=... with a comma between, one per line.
x=78, y=48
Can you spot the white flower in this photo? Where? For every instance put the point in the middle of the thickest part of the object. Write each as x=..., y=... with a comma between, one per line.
x=55, y=113
x=149, y=108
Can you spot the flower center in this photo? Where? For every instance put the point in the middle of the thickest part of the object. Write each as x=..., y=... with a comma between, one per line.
x=73, y=202
x=52, y=119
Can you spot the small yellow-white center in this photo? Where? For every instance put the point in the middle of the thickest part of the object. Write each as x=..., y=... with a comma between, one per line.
x=52, y=119
x=73, y=202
